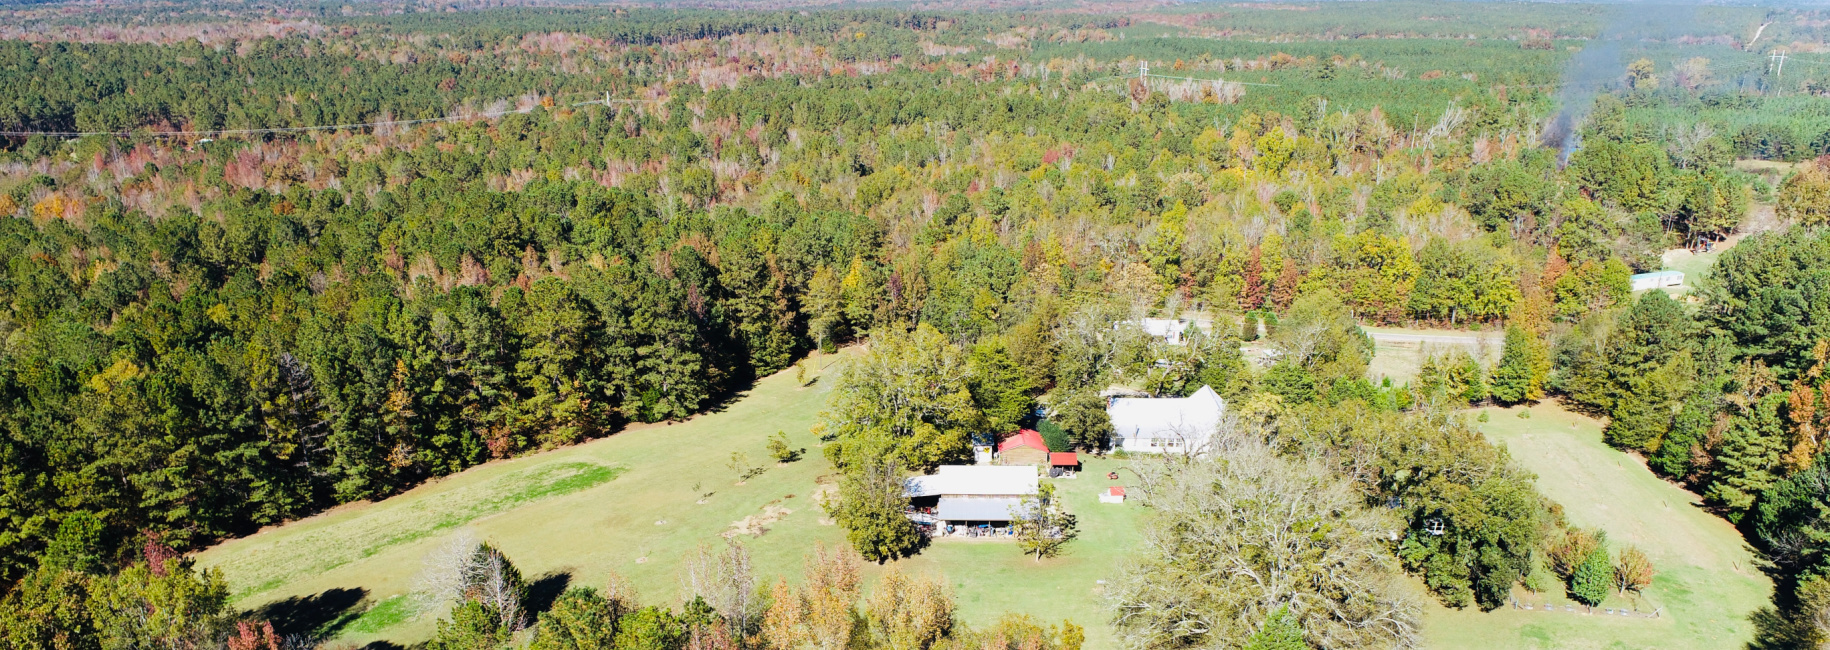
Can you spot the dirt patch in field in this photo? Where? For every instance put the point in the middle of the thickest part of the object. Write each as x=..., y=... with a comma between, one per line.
x=757, y=524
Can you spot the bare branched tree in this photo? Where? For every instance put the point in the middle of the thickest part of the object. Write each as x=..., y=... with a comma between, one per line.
x=447, y=572
x=722, y=576
x=1239, y=532
x=466, y=569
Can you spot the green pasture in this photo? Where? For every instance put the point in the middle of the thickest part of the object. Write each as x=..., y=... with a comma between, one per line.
x=630, y=503
x=1707, y=582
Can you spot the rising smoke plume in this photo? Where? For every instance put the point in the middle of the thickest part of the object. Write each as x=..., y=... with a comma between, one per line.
x=1601, y=64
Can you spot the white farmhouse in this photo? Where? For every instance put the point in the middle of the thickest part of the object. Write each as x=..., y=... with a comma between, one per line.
x=1169, y=330
x=1171, y=424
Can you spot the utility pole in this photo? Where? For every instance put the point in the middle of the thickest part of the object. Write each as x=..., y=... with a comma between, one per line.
x=1143, y=70
x=1778, y=59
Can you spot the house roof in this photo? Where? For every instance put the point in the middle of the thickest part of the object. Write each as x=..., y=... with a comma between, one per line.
x=1170, y=329
x=1185, y=418
x=970, y=509
x=1063, y=458
x=1025, y=438
x=1163, y=327
x=975, y=480
x=1116, y=490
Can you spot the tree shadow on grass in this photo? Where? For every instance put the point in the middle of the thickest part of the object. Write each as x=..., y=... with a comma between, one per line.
x=545, y=589
x=1774, y=630
x=319, y=615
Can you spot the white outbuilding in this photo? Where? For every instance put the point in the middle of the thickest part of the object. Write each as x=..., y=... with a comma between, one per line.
x=1657, y=280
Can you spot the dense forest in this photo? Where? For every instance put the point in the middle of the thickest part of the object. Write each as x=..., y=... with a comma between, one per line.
x=254, y=275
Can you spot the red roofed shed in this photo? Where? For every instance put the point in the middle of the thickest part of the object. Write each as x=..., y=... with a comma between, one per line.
x=1024, y=447
x=1064, y=459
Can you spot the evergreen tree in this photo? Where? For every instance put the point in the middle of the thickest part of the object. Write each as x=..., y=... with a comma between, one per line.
x=473, y=626
x=1524, y=365
x=1749, y=458
x=650, y=628
x=1649, y=357
x=1677, y=455
x=579, y=619
x=1281, y=631
x=1590, y=583
x=1290, y=381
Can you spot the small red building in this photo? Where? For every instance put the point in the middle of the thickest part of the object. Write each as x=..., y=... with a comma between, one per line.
x=1024, y=447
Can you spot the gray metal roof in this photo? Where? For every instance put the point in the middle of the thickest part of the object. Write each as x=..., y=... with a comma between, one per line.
x=980, y=509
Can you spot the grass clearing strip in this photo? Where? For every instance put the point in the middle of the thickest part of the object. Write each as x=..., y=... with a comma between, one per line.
x=376, y=530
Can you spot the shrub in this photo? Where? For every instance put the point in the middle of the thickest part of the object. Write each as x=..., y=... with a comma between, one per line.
x=781, y=451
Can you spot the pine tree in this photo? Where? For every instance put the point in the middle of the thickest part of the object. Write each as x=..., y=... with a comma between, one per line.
x=1749, y=457
x=1281, y=631
x=1590, y=582
x=1524, y=364
x=579, y=619
x=472, y=626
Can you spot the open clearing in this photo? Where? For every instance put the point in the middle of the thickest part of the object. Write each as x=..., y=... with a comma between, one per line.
x=629, y=504
x=1707, y=584
x=1397, y=352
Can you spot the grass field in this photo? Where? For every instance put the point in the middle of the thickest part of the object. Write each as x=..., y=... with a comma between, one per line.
x=629, y=504
x=1706, y=585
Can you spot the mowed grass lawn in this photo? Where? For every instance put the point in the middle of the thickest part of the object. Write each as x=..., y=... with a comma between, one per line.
x=628, y=503
x=1707, y=582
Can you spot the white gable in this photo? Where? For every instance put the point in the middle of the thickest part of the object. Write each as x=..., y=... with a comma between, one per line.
x=1191, y=419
